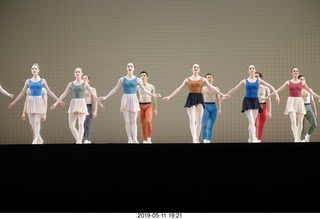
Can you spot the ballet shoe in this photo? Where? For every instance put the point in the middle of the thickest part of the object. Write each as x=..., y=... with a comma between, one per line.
x=40, y=141
x=307, y=138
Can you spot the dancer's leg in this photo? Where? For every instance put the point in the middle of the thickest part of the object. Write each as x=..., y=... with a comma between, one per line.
x=192, y=120
x=81, y=119
x=293, y=121
x=35, y=122
x=142, y=117
x=252, y=115
x=299, y=117
x=127, y=121
x=72, y=125
x=149, y=122
x=205, y=123
x=198, y=119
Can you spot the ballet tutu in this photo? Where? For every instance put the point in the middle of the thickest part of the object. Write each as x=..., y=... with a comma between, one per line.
x=78, y=105
x=295, y=104
x=36, y=105
x=194, y=99
x=129, y=102
x=251, y=103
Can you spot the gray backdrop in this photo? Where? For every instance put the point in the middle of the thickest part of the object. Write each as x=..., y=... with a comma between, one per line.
x=164, y=38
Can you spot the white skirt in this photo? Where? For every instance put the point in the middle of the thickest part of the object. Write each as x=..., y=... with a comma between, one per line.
x=295, y=104
x=78, y=105
x=129, y=102
x=35, y=104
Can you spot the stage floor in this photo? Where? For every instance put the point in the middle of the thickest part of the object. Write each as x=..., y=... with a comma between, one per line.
x=218, y=177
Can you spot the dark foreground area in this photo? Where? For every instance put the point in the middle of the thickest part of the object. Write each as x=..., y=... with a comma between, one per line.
x=265, y=177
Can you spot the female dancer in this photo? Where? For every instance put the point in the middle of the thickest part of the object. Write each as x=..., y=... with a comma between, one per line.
x=195, y=102
x=212, y=108
x=250, y=103
x=311, y=113
x=129, y=101
x=36, y=108
x=43, y=118
x=77, y=108
x=295, y=105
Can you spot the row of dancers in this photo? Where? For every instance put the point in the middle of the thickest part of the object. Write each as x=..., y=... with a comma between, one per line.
x=256, y=103
x=139, y=97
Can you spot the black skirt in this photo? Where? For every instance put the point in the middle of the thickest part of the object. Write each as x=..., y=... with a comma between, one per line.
x=194, y=99
x=251, y=103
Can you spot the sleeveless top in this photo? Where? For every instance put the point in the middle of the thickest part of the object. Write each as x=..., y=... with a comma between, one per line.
x=129, y=86
x=35, y=88
x=77, y=90
x=295, y=89
x=252, y=89
x=195, y=86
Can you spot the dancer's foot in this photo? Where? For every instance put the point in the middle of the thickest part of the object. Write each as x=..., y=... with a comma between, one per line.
x=40, y=141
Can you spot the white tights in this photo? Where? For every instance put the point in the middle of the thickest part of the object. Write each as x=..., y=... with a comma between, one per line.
x=35, y=122
x=77, y=134
x=130, y=119
x=195, y=118
x=296, y=120
x=252, y=115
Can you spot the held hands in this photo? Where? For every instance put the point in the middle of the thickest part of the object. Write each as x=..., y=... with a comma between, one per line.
x=102, y=98
x=53, y=106
x=98, y=99
x=225, y=97
x=61, y=103
x=277, y=99
x=56, y=103
x=168, y=98
x=265, y=98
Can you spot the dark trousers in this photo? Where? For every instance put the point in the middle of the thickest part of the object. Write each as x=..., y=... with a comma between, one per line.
x=87, y=123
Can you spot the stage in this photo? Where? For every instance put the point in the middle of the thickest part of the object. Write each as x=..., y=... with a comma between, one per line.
x=242, y=177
